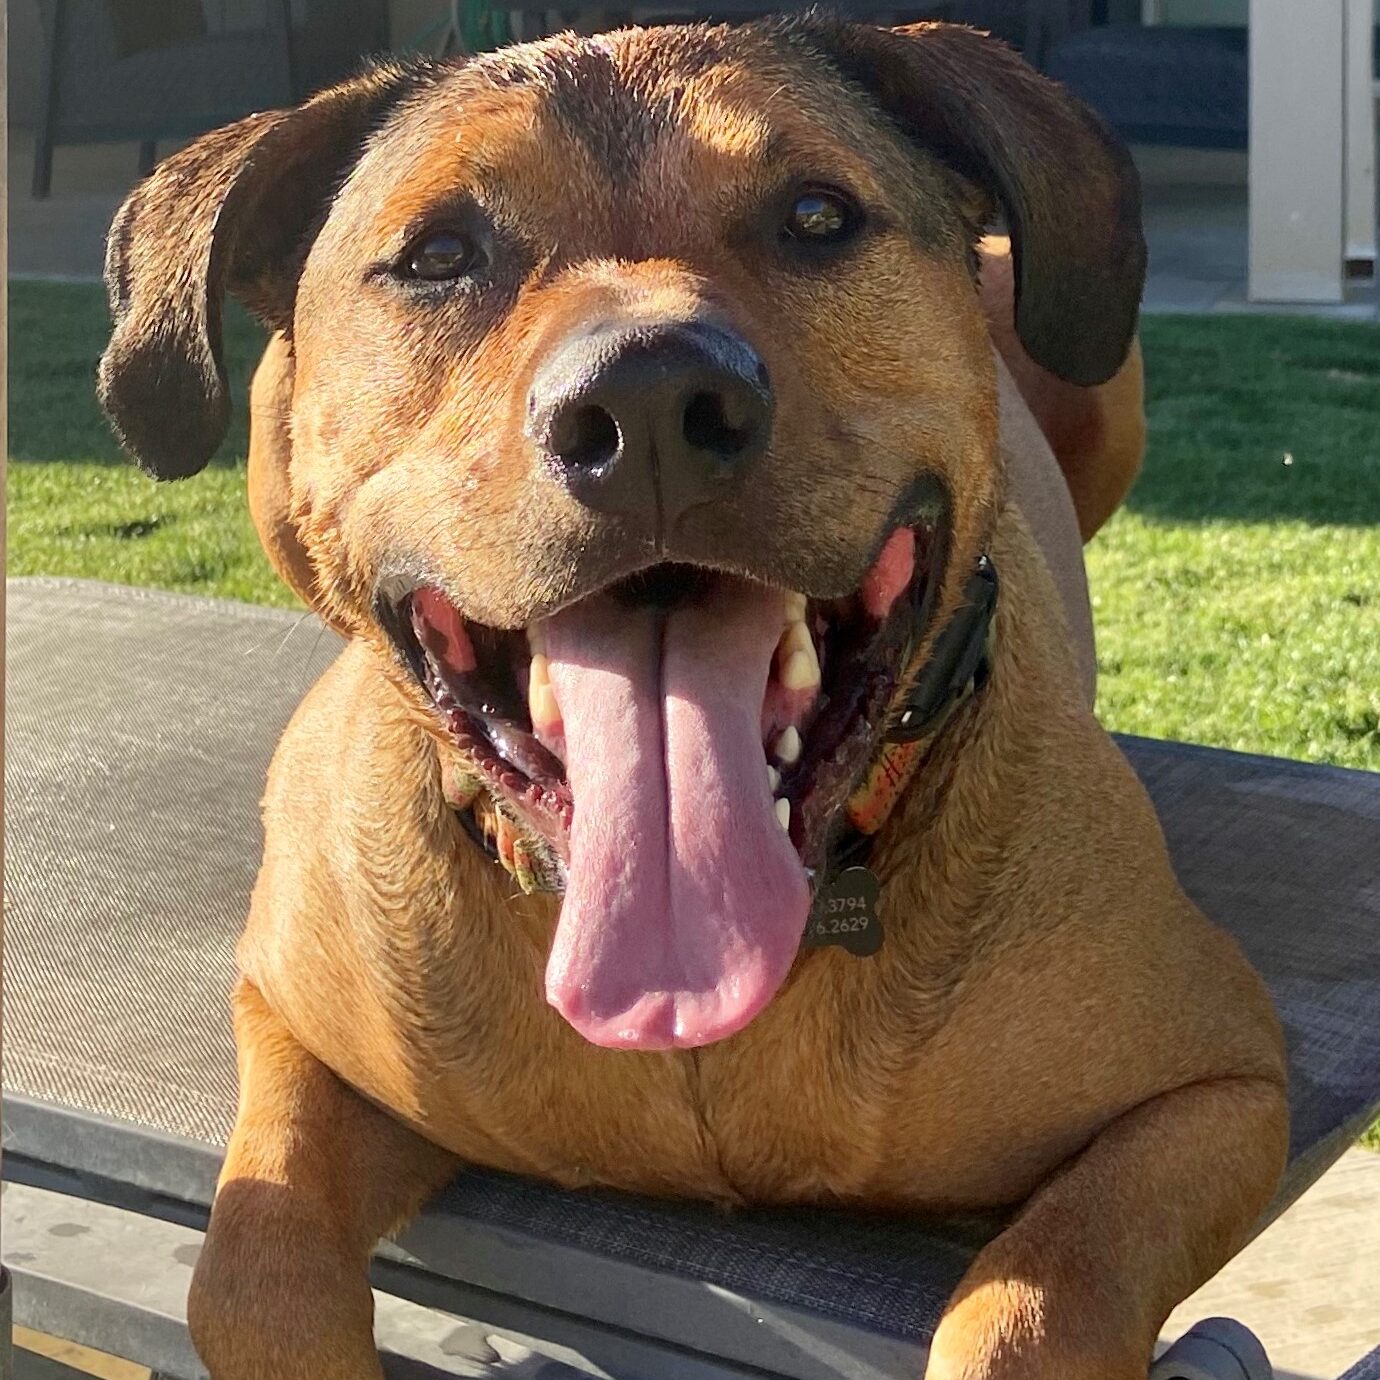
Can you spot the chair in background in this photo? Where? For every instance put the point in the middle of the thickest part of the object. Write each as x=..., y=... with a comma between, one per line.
x=1186, y=87
x=145, y=70
x=1032, y=26
x=1035, y=27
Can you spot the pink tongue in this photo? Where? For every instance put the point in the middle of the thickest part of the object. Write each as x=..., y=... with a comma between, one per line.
x=685, y=901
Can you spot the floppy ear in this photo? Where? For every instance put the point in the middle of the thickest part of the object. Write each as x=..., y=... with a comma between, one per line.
x=1066, y=182
x=233, y=211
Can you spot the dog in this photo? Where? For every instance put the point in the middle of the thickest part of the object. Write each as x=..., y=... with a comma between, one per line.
x=651, y=415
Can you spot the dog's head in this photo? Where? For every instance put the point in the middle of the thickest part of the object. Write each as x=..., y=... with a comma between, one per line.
x=644, y=415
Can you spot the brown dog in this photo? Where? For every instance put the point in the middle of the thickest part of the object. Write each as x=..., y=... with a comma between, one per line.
x=637, y=415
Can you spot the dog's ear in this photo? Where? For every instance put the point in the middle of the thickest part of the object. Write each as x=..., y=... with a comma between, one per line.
x=233, y=211
x=1066, y=183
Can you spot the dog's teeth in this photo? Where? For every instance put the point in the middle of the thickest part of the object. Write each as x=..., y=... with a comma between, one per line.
x=788, y=747
x=796, y=638
x=800, y=671
x=541, y=698
x=795, y=607
x=536, y=639
x=546, y=713
x=783, y=813
x=797, y=658
x=773, y=778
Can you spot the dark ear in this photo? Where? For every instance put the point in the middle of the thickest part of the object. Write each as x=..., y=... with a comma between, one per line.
x=1067, y=184
x=233, y=211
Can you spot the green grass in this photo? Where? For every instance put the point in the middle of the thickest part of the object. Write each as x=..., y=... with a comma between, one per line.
x=1237, y=594
x=76, y=504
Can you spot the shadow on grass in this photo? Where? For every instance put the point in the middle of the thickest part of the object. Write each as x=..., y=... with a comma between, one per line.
x=57, y=334
x=1261, y=419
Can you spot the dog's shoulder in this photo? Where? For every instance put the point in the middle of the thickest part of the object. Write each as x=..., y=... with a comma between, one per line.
x=351, y=734
x=1081, y=909
x=357, y=833
x=353, y=809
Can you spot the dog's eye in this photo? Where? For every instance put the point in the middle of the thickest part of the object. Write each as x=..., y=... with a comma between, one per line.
x=439, y=257
x=819, y=216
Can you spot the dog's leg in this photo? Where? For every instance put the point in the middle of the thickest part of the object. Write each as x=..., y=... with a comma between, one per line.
x=314, y=1175
x=1079, y=1285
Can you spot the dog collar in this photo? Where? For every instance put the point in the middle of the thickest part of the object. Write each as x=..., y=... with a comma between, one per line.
x=957, y=668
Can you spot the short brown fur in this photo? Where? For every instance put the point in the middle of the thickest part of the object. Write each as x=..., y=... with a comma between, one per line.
x=1012, y=1043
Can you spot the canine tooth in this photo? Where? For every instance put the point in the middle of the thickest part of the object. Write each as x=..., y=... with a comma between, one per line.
x=795, y=607
x=783, y=813
x=796, y=639
x=800, y=670
x=541, y=698
x=536, y=639
x=546, y=713
x=788, y=747
x=773, y=778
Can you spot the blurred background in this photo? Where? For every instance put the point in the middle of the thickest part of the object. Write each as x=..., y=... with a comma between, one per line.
x=1280, y=205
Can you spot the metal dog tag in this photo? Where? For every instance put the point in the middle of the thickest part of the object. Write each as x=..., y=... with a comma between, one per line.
x=845, y=913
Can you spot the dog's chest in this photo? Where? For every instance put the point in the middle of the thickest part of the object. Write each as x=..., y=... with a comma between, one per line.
x=798, y=1108
x=801, y=1106
x=689, y=1132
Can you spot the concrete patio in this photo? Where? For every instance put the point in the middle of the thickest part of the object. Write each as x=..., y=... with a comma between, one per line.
x=1198, y=256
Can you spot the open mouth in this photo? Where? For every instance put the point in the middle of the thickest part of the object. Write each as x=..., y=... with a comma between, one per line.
x=684, y=741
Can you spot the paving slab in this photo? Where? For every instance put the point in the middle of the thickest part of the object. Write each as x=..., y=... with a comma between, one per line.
x=1309, y=1287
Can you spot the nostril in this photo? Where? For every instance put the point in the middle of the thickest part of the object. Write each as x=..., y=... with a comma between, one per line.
x=707, y=426
x=584, y=438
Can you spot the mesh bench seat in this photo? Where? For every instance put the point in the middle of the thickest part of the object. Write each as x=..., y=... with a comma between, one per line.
x=139, y=728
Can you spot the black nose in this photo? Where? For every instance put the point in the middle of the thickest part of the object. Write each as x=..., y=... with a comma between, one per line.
x=649, y=421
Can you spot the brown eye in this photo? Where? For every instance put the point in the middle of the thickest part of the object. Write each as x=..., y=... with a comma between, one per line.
x=440, y=257
x=822, y=217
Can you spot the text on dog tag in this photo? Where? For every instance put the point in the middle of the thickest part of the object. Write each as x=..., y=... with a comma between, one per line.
x=845, y=913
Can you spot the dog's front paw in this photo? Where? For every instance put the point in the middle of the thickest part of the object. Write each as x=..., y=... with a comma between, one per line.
x=1006, y=1331
x=274, y=1299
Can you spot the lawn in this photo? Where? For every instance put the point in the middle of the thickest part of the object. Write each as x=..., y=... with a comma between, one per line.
x=76, y=504
x=1237, y=594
